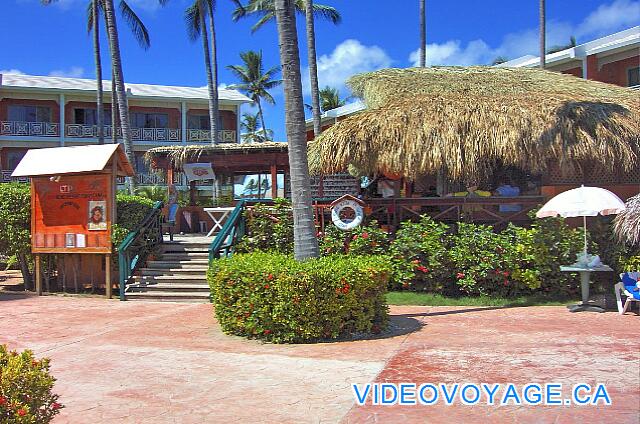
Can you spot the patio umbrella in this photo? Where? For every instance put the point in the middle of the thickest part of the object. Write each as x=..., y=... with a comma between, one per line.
x=627, y=223
x=582, y=201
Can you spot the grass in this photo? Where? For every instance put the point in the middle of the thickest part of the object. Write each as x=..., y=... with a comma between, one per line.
x=430, y=299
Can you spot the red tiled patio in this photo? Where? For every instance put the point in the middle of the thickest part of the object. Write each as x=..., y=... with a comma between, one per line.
x=134, y=362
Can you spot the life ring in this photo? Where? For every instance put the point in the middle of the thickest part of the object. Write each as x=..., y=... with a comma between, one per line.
x=345, y=225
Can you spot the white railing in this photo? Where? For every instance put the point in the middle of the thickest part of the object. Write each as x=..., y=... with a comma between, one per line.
x=226, y=136
x=635, y=87
x=36, y=129
x=153, y=179
x=137, y=134
x=5, y=177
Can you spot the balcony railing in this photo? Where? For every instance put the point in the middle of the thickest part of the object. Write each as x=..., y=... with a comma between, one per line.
x=226, y=136
x=137, y=134
x=5, y=177
x=36, y=129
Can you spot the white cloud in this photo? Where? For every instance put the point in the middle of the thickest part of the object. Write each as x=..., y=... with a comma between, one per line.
x=73, y=72
x=348, y=58
x=606, y=19
x=11, y=71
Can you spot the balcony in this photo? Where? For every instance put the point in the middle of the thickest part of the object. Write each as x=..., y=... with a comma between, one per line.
x=79, y=131
x=34, y=129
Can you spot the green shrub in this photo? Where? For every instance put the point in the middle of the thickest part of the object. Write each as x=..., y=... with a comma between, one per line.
x=271, y=296
x=362, y=240
x=15, y=225
x=420, y=256
x=25, y=388
x=268, y=227
x=131, y=210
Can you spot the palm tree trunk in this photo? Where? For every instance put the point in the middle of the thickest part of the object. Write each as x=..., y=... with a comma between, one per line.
x=543, y=49
x=114, y=44
x=423, y=34
x=207, y=65
x=114, y=110
x=96, y=53
x=313, y=67
x=214, y=80
x=264, y=128
x=304, y=231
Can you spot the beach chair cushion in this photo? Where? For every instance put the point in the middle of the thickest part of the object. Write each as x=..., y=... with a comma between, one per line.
x=629, y=280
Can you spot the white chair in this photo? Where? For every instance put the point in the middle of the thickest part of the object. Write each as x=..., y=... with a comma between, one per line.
x=626, y=286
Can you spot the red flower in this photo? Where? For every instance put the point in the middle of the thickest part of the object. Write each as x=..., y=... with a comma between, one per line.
x=266, y=286
x=34, y=363
x=415, y=261
x=422, y=269
x=506, y=273
x=3, y=400
x=460, y=275
x=55, y=406
x=267, y=332
x=22, y=412
x=355, y=236
x=365, y=235
x=270, y=277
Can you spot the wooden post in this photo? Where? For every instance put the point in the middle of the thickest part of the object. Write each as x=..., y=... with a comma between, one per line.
x=38, y=275
x=169, y=176
x=192, y=193
x=274, y=181
x=107, y=275
x=321, y=186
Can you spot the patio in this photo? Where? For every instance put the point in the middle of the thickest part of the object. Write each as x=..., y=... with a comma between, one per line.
x=158, y=362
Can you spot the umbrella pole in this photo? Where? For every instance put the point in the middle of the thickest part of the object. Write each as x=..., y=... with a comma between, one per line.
x=584, y=222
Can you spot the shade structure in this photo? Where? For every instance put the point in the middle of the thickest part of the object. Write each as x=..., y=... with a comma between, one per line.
x=582, y=201
x=627, y=223
x=468, y=120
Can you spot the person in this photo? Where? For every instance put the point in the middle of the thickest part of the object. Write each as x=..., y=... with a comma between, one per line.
x=472, y=191
x=173, y=204
x=507, y=190
x=97, y=218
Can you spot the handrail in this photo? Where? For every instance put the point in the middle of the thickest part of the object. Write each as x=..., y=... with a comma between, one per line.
x=128, y=260
x=233, y=227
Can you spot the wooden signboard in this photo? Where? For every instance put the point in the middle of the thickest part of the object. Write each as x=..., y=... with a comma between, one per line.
x=72, y=213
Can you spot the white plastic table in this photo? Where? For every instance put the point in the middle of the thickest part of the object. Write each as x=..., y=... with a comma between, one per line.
x=585, y=278
x=218, y=215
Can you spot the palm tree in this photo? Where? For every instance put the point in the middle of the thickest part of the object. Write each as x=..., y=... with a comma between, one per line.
x=543, y=19
x=330, y=99
x=572, y=43
x=250, y=131
x=266, y=9
x=423, y=34
x=304, y=231
x=498, y=60
x=254, y=82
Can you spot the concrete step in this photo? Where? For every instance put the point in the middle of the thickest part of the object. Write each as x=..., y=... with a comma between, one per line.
x=183, y=256
x=197, y=263
x=177, y=277
x=164, y=296
x=184, y=247
x=168, y=288
x=193, y=270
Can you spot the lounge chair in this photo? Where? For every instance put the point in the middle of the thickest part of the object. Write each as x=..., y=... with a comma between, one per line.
x=627, y=286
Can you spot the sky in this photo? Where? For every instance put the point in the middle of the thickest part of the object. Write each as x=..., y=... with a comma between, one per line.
x=373, y=34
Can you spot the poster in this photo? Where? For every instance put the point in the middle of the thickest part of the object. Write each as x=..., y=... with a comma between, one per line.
x=97, y=215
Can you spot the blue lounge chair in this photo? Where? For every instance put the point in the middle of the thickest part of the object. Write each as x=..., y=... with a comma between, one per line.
x=627, y=286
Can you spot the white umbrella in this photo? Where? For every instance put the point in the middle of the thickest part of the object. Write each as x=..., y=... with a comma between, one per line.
x=583, y=201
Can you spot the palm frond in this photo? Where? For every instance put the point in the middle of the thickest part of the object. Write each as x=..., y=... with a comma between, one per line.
x=192, y=21
x=136, y=25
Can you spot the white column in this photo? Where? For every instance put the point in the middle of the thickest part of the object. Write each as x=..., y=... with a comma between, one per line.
x=238, y=123
x=61, y=103
x=584, y=67
x=183, y=122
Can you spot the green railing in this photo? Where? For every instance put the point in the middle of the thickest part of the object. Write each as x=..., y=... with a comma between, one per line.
x=232, y=230
x=137, y=244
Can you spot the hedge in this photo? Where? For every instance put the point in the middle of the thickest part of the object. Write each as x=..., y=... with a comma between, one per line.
x=273, y=297
x=26, y=388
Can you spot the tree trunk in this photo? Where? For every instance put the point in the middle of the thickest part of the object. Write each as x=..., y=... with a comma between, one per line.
x=423, y=34
x=304, y=231
x=207, y=66
x=214, y=80
x=264, y=128
x=543, y=48
x=118, y=76
x=24, y=269
x=96, y=54
x=114, y=110
x=313, y=67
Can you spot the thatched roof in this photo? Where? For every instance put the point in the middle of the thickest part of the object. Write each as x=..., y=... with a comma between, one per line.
x=627, y=223
x=177, y=155
x=467, y=120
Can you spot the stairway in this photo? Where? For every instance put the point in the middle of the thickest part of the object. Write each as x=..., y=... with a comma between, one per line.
x=177, y=274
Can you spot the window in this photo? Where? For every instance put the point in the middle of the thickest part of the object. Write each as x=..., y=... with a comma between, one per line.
x=201, y=122
x=633, y=75
x=85, y=116
x=149, y=120
x=29, y=113
x=13, y=159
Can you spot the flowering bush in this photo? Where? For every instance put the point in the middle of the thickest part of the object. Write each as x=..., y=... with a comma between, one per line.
x=25, y=388
x=363, y=240
x=268, y=227
x=271, y=296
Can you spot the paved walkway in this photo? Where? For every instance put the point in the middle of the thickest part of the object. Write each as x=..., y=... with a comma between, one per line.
x=134, y=362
